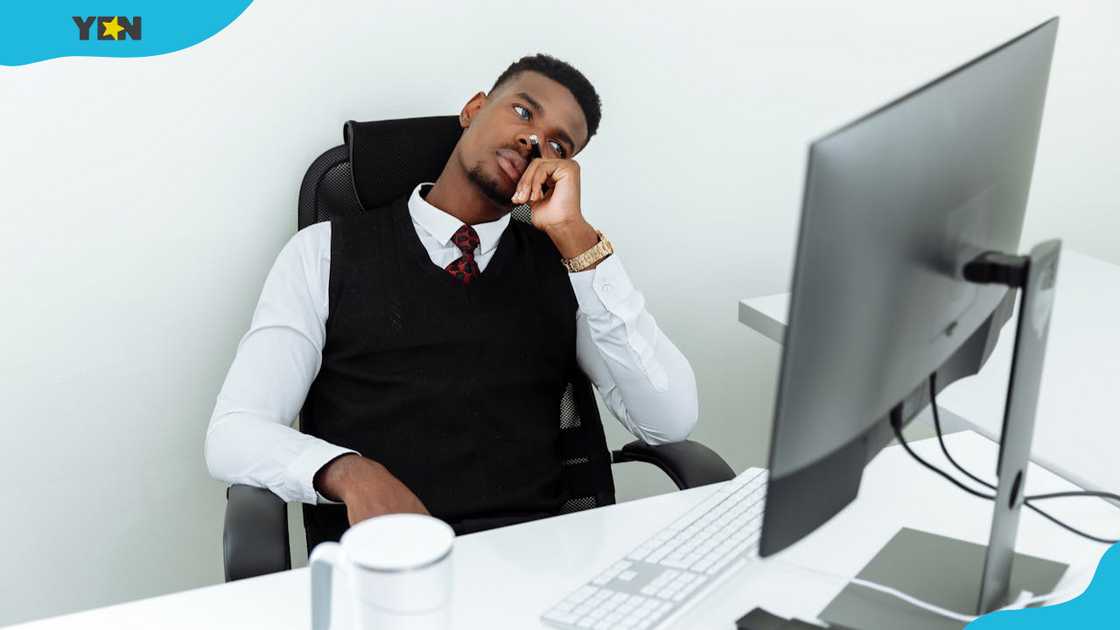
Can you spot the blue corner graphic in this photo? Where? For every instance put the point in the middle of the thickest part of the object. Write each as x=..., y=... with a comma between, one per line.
x=37, y=31
x=1097, y=608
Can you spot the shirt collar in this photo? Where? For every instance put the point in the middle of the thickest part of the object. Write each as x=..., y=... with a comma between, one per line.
x=442, y=226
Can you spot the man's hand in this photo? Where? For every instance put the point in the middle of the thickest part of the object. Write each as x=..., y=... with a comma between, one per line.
x=366, y=487
x=558, y=213
x=561, y=205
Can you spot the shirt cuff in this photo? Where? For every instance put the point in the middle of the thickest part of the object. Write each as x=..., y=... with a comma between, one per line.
x=314, y=456
x=603, y=288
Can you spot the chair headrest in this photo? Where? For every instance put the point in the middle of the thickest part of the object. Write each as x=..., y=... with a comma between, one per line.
x=389, y=158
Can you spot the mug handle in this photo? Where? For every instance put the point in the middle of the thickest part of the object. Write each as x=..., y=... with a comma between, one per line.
x=323, y=561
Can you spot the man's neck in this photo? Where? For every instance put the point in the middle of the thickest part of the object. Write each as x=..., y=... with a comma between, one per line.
x=454, y=194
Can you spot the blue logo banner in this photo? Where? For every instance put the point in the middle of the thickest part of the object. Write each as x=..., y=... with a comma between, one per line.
x=1095, y=608
x=37, y=31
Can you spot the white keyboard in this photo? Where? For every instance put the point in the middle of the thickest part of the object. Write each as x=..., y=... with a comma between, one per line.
x=666, y=573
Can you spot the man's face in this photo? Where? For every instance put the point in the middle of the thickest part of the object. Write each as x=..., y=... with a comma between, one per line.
x=502, y=122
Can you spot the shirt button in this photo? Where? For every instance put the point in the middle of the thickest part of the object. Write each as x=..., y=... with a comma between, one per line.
x=605, y=287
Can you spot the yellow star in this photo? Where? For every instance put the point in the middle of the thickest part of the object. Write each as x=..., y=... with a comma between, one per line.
x=112, y=28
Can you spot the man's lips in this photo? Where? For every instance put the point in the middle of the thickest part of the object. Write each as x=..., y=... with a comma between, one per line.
x=511, y=164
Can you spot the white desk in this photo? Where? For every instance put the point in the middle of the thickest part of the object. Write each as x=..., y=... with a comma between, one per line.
x=1078, y=420
x=505, y=578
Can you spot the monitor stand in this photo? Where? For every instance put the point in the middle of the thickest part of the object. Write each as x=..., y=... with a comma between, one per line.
x=935, y=569
x=954, y=574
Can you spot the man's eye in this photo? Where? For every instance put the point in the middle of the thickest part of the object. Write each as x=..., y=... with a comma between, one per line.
x=559, y=147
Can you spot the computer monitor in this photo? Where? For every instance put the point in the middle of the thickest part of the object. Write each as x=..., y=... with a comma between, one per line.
x=895, y=204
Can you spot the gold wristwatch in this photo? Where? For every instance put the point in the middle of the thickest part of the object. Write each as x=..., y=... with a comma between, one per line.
x=601, y=250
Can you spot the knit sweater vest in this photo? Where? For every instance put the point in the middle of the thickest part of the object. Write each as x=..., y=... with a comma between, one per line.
x=454, y=388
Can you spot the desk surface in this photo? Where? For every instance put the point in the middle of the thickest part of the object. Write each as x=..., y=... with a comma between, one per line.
x=1076, y=429
x=512, y=574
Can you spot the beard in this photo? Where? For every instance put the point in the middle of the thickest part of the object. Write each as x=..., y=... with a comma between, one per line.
x=490, y=186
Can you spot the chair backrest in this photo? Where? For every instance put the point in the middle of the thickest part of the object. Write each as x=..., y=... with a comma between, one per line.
x=384, y=160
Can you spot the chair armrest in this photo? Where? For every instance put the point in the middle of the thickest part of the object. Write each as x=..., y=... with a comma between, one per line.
x=689, y=464
x=255, y=538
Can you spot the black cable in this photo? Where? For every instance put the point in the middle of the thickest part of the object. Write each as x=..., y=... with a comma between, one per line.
x=1107, y=541
x=940, y=440
x=1032, y=497
x=1028, y=500
x=901, y=440
x=1076, y=493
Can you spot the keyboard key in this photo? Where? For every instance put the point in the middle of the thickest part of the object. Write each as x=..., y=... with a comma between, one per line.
x=721, y=563
x=689, y=588
x=582, y=594
x=678, y=563
x=641, y=552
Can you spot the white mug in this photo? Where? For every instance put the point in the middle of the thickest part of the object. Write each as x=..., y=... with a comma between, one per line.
x=397, y=568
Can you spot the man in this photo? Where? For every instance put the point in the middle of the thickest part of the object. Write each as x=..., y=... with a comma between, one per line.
x=432, y=338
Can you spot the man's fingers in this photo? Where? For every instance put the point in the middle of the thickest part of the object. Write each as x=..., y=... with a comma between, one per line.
x=538, y=181
x=526, y=178
x=530, y=186
x=537, y=186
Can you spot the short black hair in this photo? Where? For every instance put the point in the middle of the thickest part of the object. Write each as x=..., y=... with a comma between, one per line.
x=565, y=75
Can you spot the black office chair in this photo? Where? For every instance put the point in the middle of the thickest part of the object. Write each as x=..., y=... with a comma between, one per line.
x=380, y=162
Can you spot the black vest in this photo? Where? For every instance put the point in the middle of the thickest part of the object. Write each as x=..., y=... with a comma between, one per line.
x=455, y=389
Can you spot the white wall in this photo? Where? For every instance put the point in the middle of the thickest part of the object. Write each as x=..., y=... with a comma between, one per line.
x=144, y=200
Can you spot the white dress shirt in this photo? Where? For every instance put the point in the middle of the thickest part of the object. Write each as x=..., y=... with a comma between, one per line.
x=646, y=382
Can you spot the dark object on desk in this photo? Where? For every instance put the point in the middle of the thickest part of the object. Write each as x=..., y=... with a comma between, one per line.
x=380, y=162
x=759, y=619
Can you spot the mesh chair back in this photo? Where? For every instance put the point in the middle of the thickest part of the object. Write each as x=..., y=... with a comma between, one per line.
x=384, y=160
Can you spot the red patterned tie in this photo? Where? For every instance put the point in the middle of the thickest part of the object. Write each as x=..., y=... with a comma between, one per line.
x=464, y=267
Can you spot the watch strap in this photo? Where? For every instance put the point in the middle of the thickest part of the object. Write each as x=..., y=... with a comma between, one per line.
x=598, y=252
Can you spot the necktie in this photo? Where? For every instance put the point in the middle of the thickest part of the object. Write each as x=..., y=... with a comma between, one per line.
x=464, y=267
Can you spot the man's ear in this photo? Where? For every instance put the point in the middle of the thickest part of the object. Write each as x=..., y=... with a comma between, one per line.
x=471, y=109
